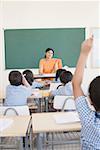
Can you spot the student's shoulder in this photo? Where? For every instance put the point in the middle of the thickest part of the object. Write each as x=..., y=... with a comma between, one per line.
x=68, y=84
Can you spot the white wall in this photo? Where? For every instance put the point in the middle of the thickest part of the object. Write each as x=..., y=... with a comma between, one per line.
x=45, y=14
x=30, y=14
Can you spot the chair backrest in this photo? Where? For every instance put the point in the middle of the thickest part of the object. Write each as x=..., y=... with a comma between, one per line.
x=14, y=110
x=64, y=103
x=53, y=86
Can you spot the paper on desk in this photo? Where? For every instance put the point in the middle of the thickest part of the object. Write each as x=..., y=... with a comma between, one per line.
x=67, y=117
x=5, y=123
x=49, y=75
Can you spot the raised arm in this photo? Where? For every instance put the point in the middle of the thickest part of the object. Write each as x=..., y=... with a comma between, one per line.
x=25, y=82
x=78, y=75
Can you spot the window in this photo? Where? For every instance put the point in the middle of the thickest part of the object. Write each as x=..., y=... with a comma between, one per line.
x=96, y=48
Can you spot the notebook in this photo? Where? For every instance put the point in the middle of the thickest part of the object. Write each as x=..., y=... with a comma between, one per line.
x=5, y=123
x=67, y=117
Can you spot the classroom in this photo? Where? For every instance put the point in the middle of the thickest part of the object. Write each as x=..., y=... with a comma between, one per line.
x=36, y=15
x=48, y=16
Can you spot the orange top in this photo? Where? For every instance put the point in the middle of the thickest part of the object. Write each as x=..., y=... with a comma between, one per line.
x=50, y=66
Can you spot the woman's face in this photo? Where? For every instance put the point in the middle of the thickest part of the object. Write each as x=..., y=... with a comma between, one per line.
x=49, y=54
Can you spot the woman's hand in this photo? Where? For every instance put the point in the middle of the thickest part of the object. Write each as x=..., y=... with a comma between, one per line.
x=56, y=66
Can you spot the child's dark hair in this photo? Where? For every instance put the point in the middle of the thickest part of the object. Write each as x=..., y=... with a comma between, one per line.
x=94, y=92
x=58, y=73
x=29, y=76
x=15, y=78
x=49, y=49
x=65, y=77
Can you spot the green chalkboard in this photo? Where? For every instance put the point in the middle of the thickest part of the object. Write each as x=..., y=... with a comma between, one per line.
x=25, y=47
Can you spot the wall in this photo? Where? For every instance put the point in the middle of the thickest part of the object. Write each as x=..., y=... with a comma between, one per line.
x=44, y=14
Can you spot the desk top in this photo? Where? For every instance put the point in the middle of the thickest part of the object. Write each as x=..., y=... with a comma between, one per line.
x=40, y=76
x=44, y=122
x=39, y=94
x=18, y=127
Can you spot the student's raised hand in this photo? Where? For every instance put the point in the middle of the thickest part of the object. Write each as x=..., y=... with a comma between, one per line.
x=87, y=45
x=24, y=81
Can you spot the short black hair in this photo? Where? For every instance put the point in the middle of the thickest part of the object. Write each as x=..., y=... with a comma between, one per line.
x=49, y=49
x=15, y=78
x=28, y=74
x=65, y=77
x=58, y=73
x=94, y=92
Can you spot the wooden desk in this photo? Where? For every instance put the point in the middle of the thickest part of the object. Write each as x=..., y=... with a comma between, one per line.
x=45, y=122
x=18, y=128
x=41, y=95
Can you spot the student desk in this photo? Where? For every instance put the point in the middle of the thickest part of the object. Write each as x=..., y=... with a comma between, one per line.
x=1, y=97
x=18, y=128
x=44, y=123
x=40, y=95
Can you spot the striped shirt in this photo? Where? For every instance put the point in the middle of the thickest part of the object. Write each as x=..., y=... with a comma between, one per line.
x=90, y=120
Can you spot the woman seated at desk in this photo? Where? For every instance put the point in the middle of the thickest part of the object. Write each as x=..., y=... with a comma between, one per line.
x=49, y=64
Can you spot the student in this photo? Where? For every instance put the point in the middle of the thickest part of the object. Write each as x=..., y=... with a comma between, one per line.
x=90, y=120
x=66, y=87
x=58, y=73
x=49, y=64
x=30, y=78
x=18, y=91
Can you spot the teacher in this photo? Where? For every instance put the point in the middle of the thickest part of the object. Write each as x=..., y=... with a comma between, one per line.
x=48, y=64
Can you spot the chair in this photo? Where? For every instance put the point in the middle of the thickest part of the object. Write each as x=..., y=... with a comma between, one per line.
x=53, y=86
x=67, y=103
x=64, y=103
x=14, y=110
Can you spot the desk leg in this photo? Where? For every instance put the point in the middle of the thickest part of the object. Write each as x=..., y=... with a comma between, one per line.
x=52, y=141
x=39, y=141
x=40, y=105
x=21, y=146
x=46, y=104
x=26, y=142
x=38, y=102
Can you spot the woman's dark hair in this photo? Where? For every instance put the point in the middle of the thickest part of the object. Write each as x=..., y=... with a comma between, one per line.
x=94, y=92
x=15, y=78
x=58, y=73
x=29, y=76
x=49, y=49
x=65, y=77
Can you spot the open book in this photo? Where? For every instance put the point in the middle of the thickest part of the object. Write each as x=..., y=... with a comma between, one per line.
x=67, y=117
x=5, y=123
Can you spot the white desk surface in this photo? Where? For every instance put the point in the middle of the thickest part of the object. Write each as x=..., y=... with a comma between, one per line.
x=18, y=127
x=40, y=94
x=44, y=122
x=49, y=75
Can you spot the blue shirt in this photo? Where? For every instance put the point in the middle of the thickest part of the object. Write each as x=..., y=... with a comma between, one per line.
x=36, y=85
x=17, y=95
x=90, y=120
x=66, y=90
